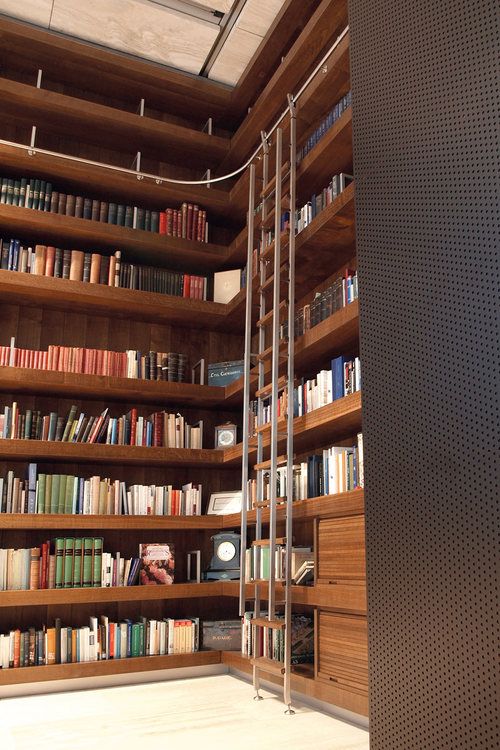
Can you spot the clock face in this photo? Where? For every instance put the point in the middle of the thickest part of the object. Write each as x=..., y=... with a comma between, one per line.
x=226, y=551
x=226, y=437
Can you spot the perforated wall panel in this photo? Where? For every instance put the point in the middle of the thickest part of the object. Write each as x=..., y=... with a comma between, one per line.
x=425, y=79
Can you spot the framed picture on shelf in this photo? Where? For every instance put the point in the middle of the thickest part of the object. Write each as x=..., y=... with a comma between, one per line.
x=223, y=503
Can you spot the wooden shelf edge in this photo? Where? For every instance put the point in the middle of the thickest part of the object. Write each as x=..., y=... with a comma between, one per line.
x=107, y=667
x=81, y=521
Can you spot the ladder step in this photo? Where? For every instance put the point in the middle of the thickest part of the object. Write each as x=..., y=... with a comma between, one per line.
x=267, y=353
x=264, y=542
x=280, y=461
x=271, y=666
x=268, y=251
x=267, y=503
x=263, y=622
x=267, y=427
x=268, y=317
x=271, y=185
x=269, y=282
x=267, y=389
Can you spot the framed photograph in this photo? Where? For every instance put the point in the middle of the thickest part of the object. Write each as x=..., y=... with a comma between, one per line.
x=223, y=503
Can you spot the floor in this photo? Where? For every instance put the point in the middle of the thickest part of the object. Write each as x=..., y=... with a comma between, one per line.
x=208, y=712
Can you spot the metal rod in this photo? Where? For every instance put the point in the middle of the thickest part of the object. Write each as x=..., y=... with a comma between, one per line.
x=275, y=374
x=290, y=386
x=246, y=387
x=33, y=127
x=171, y=180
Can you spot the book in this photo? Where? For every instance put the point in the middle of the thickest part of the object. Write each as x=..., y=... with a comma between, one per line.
x=156, y=564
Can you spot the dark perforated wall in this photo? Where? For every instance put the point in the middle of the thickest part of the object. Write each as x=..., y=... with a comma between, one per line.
x=425, y=79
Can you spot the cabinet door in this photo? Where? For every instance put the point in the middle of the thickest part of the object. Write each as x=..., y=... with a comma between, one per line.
x=341, y=550
x=342, y=654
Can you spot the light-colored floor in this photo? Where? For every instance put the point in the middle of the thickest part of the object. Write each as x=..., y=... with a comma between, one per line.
x=208, y=713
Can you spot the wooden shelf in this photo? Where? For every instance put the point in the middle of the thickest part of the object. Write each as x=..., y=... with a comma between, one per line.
x=108, y=184
x=50, y=597
x=80, y=453
x=107, y=667
x=339, y=419
x=143, y=247
x=110, y=127
x=35, y=521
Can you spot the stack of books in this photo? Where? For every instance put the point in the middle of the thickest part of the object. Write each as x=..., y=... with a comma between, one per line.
x=270, y=642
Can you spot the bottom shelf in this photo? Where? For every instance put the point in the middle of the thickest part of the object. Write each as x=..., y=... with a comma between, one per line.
x=108, y=667
x=303, y=681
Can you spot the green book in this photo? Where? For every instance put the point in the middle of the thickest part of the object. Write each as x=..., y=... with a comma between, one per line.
x=77, y=563
x=27, y=424
x=59, y=549
x=54, y=494
x=40, y=493
x=17, y=190
x=10, y=192
x=22, y=192
x=3, y=193
x=69, y=548
x=264, y=562
x=68, y=499
x=97, y=562
x=87, y=548
x=30, y=193
x=36, y=193
x=62, y=493
x=136, y=639
x=142, y=631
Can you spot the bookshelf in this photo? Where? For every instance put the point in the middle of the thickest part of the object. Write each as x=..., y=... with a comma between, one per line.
x=40, y=311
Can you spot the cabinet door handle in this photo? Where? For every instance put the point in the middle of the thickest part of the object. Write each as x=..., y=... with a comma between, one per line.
x=333, y=679
x=332, y=583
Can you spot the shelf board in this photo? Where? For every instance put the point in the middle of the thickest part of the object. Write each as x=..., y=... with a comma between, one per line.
x=104, y=388
x=80, y=453
x=106, y=667
x=71, y=521
x=143, y=247
x=331, y=422
x=111, y=127
x=50, y=597
x=109, y=184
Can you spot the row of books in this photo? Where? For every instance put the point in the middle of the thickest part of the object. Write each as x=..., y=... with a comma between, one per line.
x=189, y=221
x=159, y=430
x=101, y=640
x=327, y=386
x=270, y=642
x=333, y=470
x=339, y=294
x=324, y=126
x=65, y=563
x=98, y=268
x=257, y=562
x=39, y=492
x=320, y=201
x=166, y=366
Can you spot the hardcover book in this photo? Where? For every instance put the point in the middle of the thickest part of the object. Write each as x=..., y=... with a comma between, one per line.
x=157, y=564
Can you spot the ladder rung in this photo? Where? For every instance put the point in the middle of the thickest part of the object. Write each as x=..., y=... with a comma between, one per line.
x=267, y=353
x=269, y=665
x=268, y=317
x=267, y=389
x=263, y=622
x=271, y=185
x=280, y=461
x=265, y=542
x=267, y=503
x=268, y=251
x=269, y=282
x=267, y=427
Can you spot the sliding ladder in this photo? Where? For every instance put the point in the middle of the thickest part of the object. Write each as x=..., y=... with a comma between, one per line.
x=275, y=376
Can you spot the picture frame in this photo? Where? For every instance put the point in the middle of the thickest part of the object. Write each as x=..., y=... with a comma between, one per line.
x=224, y=503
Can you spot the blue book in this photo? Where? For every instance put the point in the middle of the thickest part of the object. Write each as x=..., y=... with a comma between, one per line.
x=338, y=377
x=81, y=489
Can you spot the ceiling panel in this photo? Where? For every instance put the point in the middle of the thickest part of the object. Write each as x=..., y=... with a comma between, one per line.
x=224, y=6
x=36, y=11
x=234, y=56
x=258, y=15
x=143, y=29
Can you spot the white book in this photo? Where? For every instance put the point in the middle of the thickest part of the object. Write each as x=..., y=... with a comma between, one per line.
x=227, y=284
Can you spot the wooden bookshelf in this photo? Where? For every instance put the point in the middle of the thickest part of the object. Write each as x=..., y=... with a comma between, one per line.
x=108, y=667
x=121, y=522
x=106, y=126
x=147, y=248
x=82, y=453
x=101, y=387
x=102, y=182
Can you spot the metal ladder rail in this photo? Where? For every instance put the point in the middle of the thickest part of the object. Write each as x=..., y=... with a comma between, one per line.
x=290, y=386
x=246, y=387
x=261, y=378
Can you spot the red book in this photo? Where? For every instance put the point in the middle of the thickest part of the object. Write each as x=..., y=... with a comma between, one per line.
x=163, y=222
x=49, y=261
x=17, y=648
x=157, y=429
x=170, y=221
x=199, y=227
x=133, y=426
x=187, y=284
x=189, y=228
x=44, y=565
x=111, y=645
x=194, y=227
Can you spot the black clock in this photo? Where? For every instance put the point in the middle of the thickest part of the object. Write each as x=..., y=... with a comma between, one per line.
x=225, y=562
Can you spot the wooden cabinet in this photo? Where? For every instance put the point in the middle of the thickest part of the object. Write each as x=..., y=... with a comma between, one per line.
x=342, y=650
x=341, y=550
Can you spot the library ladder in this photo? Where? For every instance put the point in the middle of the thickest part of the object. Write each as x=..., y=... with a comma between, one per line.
x=270, y=557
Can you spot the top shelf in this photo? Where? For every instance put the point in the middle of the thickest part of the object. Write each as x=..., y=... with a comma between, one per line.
x=107, y=126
